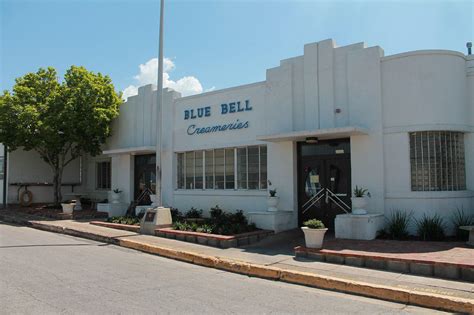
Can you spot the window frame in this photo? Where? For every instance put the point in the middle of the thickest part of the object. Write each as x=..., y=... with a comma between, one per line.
x=437, y=159
x=108, y=175
x=236, y=169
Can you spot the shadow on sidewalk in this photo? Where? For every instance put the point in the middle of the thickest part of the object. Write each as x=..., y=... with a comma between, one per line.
x=285, y=242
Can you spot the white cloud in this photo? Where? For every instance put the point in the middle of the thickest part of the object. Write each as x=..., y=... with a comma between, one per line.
x=129, y=91
x=187, y=85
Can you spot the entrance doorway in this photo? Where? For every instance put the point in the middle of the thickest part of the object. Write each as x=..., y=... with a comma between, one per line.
x=145, y=176
x=324, y=180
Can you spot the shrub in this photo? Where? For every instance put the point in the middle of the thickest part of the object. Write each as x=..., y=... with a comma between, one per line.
x=220, y=222
x=314, y=224
x=181, y=226
x=193, y=213
x=205, y=228
x=460, y=218
x=430, y=228
x=238, y=217
x=398, y=223
x=216, y=212
x=176, y=215
x=124, y=220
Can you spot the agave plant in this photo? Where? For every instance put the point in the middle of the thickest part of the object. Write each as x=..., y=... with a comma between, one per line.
x=397, y=224
x=460, y=218
x=431, y=228
x=361, y=192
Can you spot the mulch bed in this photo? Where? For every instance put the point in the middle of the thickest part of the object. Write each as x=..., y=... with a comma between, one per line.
x=45, y=211
x=215, y=240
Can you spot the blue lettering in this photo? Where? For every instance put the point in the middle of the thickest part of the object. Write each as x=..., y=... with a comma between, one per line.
x=239, y=109
x=232, y=107
x=247, y=105
x=224, y=109
x=200, y=112
x=192, y=114
x=191, y=130
x=186, y=114
x=207, y=111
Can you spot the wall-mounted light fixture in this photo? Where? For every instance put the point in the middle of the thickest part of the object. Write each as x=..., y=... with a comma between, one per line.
x=311, y=140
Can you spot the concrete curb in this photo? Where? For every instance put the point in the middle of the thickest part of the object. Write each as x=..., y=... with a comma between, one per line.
x=431, y=300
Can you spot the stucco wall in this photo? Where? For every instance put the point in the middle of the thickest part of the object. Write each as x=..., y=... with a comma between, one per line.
x=176, y=139
x=28, y=167
x=424, y=90
x=135, y=126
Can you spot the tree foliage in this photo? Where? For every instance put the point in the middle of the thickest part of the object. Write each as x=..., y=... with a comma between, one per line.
x=60, y=120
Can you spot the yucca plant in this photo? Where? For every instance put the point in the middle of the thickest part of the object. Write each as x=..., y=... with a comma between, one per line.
x=460, y=218
x=397, y=224
x=431, y=228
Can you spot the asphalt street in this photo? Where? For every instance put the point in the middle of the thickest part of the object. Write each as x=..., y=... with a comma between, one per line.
x=47, y=273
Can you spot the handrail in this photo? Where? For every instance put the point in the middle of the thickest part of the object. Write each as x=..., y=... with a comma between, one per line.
x=314, y=196
x=313, y=200
x=334, y=198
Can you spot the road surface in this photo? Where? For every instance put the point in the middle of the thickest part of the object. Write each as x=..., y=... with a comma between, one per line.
x=47, y=273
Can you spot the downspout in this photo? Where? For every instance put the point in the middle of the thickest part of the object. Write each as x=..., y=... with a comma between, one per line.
x=5, y=183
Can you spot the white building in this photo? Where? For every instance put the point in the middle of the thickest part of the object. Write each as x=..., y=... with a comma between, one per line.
x=401, y=126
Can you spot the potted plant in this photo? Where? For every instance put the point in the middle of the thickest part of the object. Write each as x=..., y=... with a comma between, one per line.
x=115, y=196
x=272, y=200
x=68, y=207
x=359, y=201
x=314, y=231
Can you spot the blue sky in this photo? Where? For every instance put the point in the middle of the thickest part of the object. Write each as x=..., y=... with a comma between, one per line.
x=215, y=44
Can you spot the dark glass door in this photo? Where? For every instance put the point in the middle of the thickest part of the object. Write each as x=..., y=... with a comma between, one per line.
x=324, y=181
x=145, y=176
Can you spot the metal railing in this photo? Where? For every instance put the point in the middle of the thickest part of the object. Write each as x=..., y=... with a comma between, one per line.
x=329, y=196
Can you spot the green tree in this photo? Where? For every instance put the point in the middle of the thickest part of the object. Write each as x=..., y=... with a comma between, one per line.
x=60, y=120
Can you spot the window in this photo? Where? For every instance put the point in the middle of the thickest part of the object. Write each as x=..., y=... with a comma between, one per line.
x=103, y=175
x=180, y=170
x=209, y=166
x=229, y=169
x=198, y=168
x=437, y=161
x=253, y=168
x=232, y=168
x=242, y=168
x=219, y=167
x=189, y=170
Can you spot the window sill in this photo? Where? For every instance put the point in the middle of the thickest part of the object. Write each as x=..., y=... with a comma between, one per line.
x=431, y=194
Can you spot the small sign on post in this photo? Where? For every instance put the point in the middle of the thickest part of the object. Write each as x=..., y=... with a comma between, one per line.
x=155, y=218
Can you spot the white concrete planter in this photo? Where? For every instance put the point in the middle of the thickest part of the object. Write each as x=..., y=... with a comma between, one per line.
x=153, y=199
x=68, y=207
x=272, y=203
x=115, y=197
x=313, y=237
x=358, y=205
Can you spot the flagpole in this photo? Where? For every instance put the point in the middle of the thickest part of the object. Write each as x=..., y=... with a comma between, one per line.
x=159, y=104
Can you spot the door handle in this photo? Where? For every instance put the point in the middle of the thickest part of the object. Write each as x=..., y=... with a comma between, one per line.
x=341, y=195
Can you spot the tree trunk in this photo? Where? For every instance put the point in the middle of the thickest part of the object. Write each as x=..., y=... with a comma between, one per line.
x=57, y=181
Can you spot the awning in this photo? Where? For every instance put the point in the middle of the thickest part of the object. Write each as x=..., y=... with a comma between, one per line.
x=131, y=151
x=330, y=133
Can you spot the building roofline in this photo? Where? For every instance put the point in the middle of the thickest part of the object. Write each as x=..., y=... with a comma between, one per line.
x=424, y=52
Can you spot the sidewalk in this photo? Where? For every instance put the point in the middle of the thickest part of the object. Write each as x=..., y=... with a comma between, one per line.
x=263, y=260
